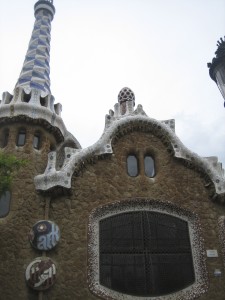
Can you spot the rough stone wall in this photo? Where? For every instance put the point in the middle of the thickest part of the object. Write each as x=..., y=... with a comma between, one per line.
x=26, y=208
x=104, y=182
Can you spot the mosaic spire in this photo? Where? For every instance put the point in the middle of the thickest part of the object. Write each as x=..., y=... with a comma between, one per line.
x=32, y=100
x=35, y=71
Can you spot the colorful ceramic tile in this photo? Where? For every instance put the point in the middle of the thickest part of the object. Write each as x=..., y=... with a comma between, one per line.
x=44, y=235
x=41, y=273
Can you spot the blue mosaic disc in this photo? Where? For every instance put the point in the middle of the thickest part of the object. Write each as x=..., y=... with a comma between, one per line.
x=44, y=235
x=41, y=273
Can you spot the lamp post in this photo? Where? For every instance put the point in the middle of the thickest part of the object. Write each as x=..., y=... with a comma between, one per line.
x=217, y=67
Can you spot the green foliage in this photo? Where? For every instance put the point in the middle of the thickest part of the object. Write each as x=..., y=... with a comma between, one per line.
x=9, y=165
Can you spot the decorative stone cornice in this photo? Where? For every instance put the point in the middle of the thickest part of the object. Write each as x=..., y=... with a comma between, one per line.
x=117, y=125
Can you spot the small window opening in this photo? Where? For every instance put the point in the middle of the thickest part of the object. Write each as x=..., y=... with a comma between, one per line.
x=4, y=138
x=37, y=141
x=149, y=166
x=21, y=137
x=132, y=165
x=52, y=147
x=5, y=204
x=44, y=101
x=26, y=97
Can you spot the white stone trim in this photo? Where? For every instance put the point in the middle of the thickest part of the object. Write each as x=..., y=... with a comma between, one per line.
x=193, y=291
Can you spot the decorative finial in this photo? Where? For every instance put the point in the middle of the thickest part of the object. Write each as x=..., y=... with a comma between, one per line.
x=221, y=48
x=220, y=42
x=125, y=95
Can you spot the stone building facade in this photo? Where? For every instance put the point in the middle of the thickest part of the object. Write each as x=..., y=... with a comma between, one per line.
x=135, y=216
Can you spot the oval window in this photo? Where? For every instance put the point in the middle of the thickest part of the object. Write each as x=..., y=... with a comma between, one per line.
x=132, y=165
x=149, y=166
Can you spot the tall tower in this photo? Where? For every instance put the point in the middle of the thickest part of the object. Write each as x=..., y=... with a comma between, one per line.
x=35, y=71
x=29, y=117
x=31, y=128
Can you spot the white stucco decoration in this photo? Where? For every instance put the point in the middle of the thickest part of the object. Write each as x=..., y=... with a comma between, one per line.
x=117, y=124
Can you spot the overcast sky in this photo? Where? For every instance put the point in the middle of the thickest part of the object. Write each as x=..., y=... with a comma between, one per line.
x=159, y=49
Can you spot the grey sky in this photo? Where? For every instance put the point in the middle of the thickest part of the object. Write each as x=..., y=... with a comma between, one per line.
x=159, y=49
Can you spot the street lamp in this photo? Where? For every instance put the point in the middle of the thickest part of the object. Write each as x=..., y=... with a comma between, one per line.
x=217, y=67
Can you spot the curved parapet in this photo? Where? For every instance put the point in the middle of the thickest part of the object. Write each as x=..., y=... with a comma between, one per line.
x=117, y=125
x=29, y=104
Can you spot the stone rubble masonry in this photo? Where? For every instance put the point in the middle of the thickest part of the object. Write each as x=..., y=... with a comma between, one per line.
x=26, y=208
x=101, y=183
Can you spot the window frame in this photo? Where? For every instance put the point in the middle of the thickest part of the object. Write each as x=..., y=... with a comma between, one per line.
x=198, y=253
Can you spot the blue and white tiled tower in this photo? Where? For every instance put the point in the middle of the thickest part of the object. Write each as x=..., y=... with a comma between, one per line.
x=36, y=70
x=32, y=100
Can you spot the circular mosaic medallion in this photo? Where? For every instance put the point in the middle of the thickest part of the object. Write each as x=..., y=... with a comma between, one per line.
x=44, y=235
x=41, y=273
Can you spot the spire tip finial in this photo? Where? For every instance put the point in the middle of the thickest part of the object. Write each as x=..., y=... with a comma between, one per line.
x=46, y=5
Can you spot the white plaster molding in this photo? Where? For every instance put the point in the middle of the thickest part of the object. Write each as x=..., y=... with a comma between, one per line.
x=115, y=123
